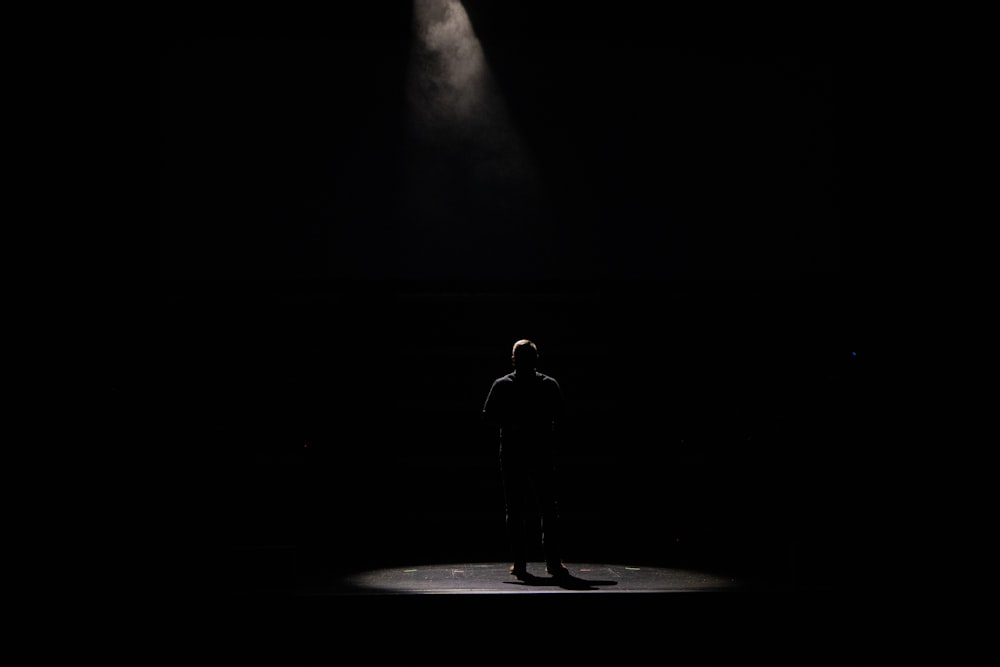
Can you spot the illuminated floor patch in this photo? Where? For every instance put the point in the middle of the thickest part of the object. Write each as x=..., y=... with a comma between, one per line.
x=462, y=578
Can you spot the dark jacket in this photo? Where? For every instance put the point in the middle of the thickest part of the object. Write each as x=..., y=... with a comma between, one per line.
x=528, y=409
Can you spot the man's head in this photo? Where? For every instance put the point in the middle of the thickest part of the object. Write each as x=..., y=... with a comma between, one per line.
x=524, y=355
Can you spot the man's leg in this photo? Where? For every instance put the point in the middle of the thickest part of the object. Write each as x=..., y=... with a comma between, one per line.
x=514, y=500
x=551, y=525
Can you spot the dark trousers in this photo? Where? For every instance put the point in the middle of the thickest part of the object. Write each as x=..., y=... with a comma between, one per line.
x=530, y=494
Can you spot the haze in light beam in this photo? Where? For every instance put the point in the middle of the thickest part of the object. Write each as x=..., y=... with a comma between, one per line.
x=471, y=185
x=452, y=94
x=449, y=82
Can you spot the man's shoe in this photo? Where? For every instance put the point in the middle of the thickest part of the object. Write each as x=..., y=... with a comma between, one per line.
x=557, y=570
x=519, y=570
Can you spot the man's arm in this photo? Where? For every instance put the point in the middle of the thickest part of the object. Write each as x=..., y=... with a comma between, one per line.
x=490, y=407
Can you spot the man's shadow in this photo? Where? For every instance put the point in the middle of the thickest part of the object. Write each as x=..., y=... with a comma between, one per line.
x=568, y=582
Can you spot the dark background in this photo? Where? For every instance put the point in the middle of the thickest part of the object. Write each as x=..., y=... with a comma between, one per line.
x=324, y=338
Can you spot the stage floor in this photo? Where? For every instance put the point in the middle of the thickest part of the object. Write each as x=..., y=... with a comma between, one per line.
x=494, y=578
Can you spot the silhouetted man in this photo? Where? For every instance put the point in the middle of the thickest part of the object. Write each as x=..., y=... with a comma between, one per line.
x=528, y=408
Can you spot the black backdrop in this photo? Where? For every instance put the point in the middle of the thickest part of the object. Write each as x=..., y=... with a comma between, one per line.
x=686, y=279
